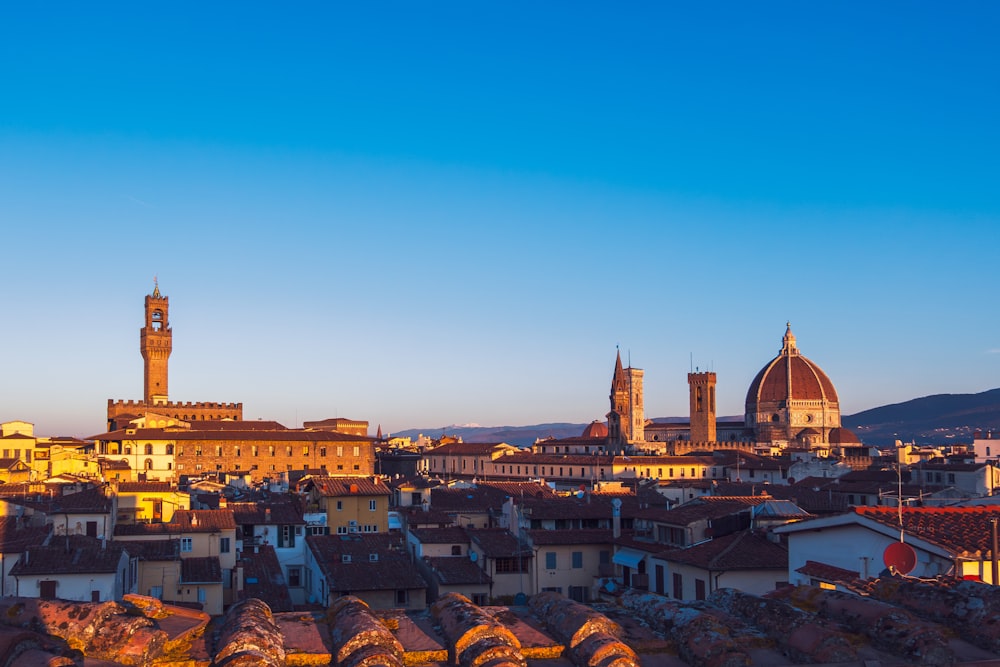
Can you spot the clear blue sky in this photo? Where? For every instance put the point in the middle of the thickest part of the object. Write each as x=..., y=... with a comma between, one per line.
x=424, y=214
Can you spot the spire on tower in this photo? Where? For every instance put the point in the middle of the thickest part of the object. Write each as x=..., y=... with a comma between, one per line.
x=618, y=381
x=156, y=288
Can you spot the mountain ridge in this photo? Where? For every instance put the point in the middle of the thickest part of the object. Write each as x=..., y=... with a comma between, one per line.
x=938, y=419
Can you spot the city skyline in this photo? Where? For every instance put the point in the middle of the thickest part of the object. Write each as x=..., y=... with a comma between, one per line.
x=453, y=214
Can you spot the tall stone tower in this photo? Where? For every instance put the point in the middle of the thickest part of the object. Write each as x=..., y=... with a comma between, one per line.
x=155, y=343
x=627, y=418
x=702, y=391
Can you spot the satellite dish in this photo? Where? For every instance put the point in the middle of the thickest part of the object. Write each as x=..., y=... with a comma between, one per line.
x=473, y=556
x=900, y=557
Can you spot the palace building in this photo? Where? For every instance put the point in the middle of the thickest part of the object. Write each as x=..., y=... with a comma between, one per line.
x=155, y=345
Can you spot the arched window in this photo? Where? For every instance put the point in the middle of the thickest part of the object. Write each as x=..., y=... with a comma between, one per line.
x=170, y=450
x=149, y=464
x=128, y=449
x=149, y=449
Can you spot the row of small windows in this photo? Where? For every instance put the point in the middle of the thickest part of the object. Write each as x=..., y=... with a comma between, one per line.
x=149, y=450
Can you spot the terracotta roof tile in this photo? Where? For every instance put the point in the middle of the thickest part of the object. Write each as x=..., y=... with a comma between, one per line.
x=263, y=578
x=201, y=570
x=963, y=530
x=449, y=535
x=499, y=543
x=830, y=573
x=278, y=513
x=16, y=537
x=391, y=568
x=145, y=487
x=333, y=487
x=744, y=550
x=456, y=570
x=202, y=521
x=70, y=555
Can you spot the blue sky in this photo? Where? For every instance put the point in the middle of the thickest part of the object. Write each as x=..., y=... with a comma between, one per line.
x=424, y=214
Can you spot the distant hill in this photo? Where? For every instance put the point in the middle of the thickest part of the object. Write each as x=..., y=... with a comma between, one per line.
x=932, y=420
x=941, y=419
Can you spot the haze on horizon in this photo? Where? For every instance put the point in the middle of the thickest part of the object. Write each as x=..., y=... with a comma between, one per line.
x=453, y=213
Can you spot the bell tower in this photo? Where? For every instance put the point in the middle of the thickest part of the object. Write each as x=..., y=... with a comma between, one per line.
x=155, y=343
x=702, y=390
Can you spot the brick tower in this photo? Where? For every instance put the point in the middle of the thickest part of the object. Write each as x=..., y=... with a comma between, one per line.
x=702, y=390
x=155, y=343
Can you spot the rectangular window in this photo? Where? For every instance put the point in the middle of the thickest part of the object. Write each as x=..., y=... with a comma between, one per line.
x=286, y=536
x=577, y=560
x=238, y=451
x=295, y=577
x=322, y=451
x=401, y=597
x=340, y=450
x=357, y=450
x=371, y=505
x=256, y=450
x=550, y=560
x=699, y=589
x=342, y=530
x=340, y=505
x=186, y=544
x=305, y=450
x=223, y=545
x=678, y=586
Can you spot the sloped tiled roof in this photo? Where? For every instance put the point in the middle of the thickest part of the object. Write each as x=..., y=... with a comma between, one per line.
x=263, y=578
x=202, y=521
x=279, y=513
x=145, y=487
x=456, y=570
x=962, y=530
x=449, y=535
x=826, y=572
x=201, y=570
x=391, y=569
x=499, y=543
x=333, y=487
x=15, y=538
x=70, y=555
x=744, y=550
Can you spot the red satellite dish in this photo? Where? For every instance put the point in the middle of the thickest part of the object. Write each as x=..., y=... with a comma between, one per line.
x=900, y=556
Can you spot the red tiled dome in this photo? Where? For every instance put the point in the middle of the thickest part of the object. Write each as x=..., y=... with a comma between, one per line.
x=843, y=436
x=790, y=377
x=596, y=429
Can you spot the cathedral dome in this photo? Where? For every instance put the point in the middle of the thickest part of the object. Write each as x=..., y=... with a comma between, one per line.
x=790, y=376
x=596, y=429
x=789, y=394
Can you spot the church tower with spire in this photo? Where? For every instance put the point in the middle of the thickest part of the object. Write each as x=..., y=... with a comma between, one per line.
x=627, y=418
x=155, y=344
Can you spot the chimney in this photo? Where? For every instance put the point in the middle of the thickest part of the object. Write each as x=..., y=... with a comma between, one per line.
x=194, y=520
x=223, y=502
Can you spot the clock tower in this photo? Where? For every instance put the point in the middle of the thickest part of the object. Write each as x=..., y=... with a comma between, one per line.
x=155, y=343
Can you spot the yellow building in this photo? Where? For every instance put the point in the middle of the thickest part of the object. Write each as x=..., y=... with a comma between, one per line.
x=351, y=504
x=149, y=502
